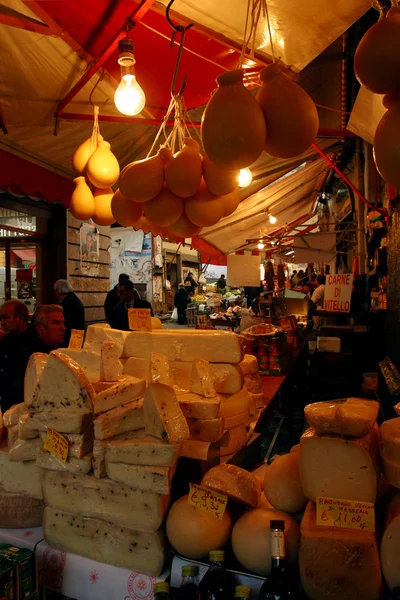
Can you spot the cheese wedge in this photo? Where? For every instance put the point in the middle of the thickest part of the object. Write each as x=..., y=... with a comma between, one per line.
x=102, y=541
x=390, y=554
x=201, y=379
x=194, y=406
x=46, y=460
x=99, y=333
x=148, y=479
x=104, y=499
x=350, y=416
x=213, y=346
x=62, y=421
x=336, y=467
x=253, y=383
x=390, y=440
x=19, y=477
x=159, y=369
x=162, y=414
x=234, y=440
x=99, y=450
x=63, y=385
x=88, y=361
x=208, y=430
x=119, y=420
x=33, y=373
x=336, y=563
x=121, y=393
x=234, y=405
x=12, y=415
x=248, y=365
x=138, y=367
x=79, y=443
x=233, y=481
x=24, y=450
x=142, y=451
x=110, y=367
x=24, y=432
x=200, y=450
x=12, y=435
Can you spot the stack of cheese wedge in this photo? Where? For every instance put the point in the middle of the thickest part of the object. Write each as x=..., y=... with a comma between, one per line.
x=339, y=459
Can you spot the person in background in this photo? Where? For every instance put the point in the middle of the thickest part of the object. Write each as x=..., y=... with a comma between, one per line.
x=112, y=298
x=317, y=301
x=190, y=284
x=49, y=328
x=314, y=281
x=73, y=309
x=301, y=277
x=181, y=300
x=221, y=283
x=294, y=279
x=128, y=299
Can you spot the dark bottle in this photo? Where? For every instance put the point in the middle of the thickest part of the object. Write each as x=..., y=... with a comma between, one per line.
x=217, y=583
x=242, y=592
x=161, y=591
x=279, y=585
x=189, y=585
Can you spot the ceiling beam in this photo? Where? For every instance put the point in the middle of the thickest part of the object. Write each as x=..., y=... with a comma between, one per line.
x=12, y=18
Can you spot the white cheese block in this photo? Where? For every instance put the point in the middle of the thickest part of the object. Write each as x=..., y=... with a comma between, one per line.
x=88, y=361
x=215, y=347
x=104, y=499
x=390, y=551
x=24, y=450
x=159, y=369
x=149, y=479
x=337, y=563
x=95, y=336
x=121, y=393
x=104, y=542
x=233, y=481
x=194, y=406
x=336, y=467
x=47, y=460
x=350, y=416
x=208, y=430
x=79, y=444
x=33, y=373
x=390, y=440
x=234, y=440
x=200, y=450
x=63, y=421
x=12, y=415
x=142, y=451
x=201, y=379
x=24, y=432
x=162, y=414
x=63, y=385
x=248, y=365
x=19, y=477
x=253, y=383
x=99, y=450
x=110, y=367
x=138, y=367
x=120, y=420
x=234, y=405
x=20, y=511
x=12, y=435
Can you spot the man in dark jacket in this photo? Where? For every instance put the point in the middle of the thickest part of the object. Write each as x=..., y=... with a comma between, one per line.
x=190, y=284
x=112, y=298
x=129, y=298
x=181, y=300
x=221, y=283
x=73, y=309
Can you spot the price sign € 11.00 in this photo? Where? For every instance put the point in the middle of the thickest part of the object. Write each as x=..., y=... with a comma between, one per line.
x=348, y=514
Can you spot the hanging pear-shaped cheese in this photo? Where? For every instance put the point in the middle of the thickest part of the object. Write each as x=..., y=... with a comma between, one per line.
x=290, y=114
x=387, y=146
x=233, y=128
x=82, y=154
x=230, y=202
x=183, y=228
x=377, y=58
x=125, y=212
x=102, y=212
x=82, y=201
x=102, y=168
x=219, y=181
x=147, y=227
x=142, y=180
x=204, y=209
x=164, y=209
x=183, y=172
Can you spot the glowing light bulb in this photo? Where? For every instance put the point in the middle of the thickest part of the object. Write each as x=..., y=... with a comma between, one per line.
x=272, y=219
x=245, y=177
x=260, y=246
x=129, y=97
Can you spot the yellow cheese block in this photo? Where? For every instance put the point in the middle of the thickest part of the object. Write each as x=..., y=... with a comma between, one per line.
x=159, y=369
x=201, y=379
x=390, y=546
x=163, y=416
x=120, y=420
x=249, y=364
x=194, y=406
x=233, y=440
x=234, y=405
x=138, y=367
x=236, y=420
x=233, y=481
x=390, y=440
x=227, y=378
x=336, y=467
x=156, y=323
x=337, y=563
x=110, y=367
x=350, y=416
x=208, y=430
x=119, y=394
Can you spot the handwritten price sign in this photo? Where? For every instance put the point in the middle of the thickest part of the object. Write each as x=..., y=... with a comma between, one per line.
x=211, y=502
x=56, y=444
x=76, y=339
x=139, y=319
x=333, y=512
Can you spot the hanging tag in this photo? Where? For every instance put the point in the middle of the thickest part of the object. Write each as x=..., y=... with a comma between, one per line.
x=76, y=339
x=56, y=444
x=211, y=502
x=139, y=319
x=348, y=514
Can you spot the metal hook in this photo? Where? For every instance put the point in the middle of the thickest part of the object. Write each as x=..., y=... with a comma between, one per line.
x=93, y=90
x=182, y=30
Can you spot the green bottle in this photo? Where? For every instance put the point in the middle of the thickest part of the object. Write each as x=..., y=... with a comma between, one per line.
x=161, y=591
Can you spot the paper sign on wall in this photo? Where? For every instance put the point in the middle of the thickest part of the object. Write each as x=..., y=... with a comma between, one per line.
x=211, y=502
x=139, y=319
x=348, y=514
x=76, y=339
x=338, y=289
x=56, y=444
x=243, y=270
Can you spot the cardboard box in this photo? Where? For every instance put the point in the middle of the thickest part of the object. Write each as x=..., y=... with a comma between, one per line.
x=328, y=344
x=25, y=569
x=7, y=579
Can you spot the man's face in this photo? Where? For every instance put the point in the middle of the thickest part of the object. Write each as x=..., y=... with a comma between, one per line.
x=124, y=294
x=89, y=241
x=52, y=329
x=9, y=322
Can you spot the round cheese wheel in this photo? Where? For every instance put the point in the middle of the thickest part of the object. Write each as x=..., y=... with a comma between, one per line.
x=193, y=532
x=233, y=481
x=282, y=485
x=251, y=539
x=295, y=448
x=259, y=474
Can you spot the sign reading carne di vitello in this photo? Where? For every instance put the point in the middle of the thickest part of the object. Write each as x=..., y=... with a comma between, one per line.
x=337, y=296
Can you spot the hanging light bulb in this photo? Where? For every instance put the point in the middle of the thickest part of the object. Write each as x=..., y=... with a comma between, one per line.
x=245, y=177
x=260, y=245
x=129, y=97
x=272, y=219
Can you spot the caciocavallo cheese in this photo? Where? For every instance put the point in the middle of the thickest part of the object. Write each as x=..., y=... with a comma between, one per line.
x=201, y=379
x=194, y=406
x=79, y=444
x=62, y=421
x=119, y=420
x=162, y=414
x=100, y=540
x=149, y=479
x=119, y=394
x=104, y=499
x=47, y=460
x=142, y=451
x=350, y=416
x=19, y=477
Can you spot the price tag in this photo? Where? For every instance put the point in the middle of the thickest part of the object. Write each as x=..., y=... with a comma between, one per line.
x=211, y=502
x=350, y=514
x=56, y=444
x=76, y=339
x=139, y=319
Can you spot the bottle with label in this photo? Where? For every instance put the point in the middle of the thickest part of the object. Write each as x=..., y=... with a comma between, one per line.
x=217, y=583
x=161, y=591
x=242, y=592
x=279, y=584
x=189, y=585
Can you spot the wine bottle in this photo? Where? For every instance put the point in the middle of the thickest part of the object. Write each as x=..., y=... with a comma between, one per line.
x=242, y=592
x=279, y=584
x=161, y=591
x=217, y=583
x=189, y=585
